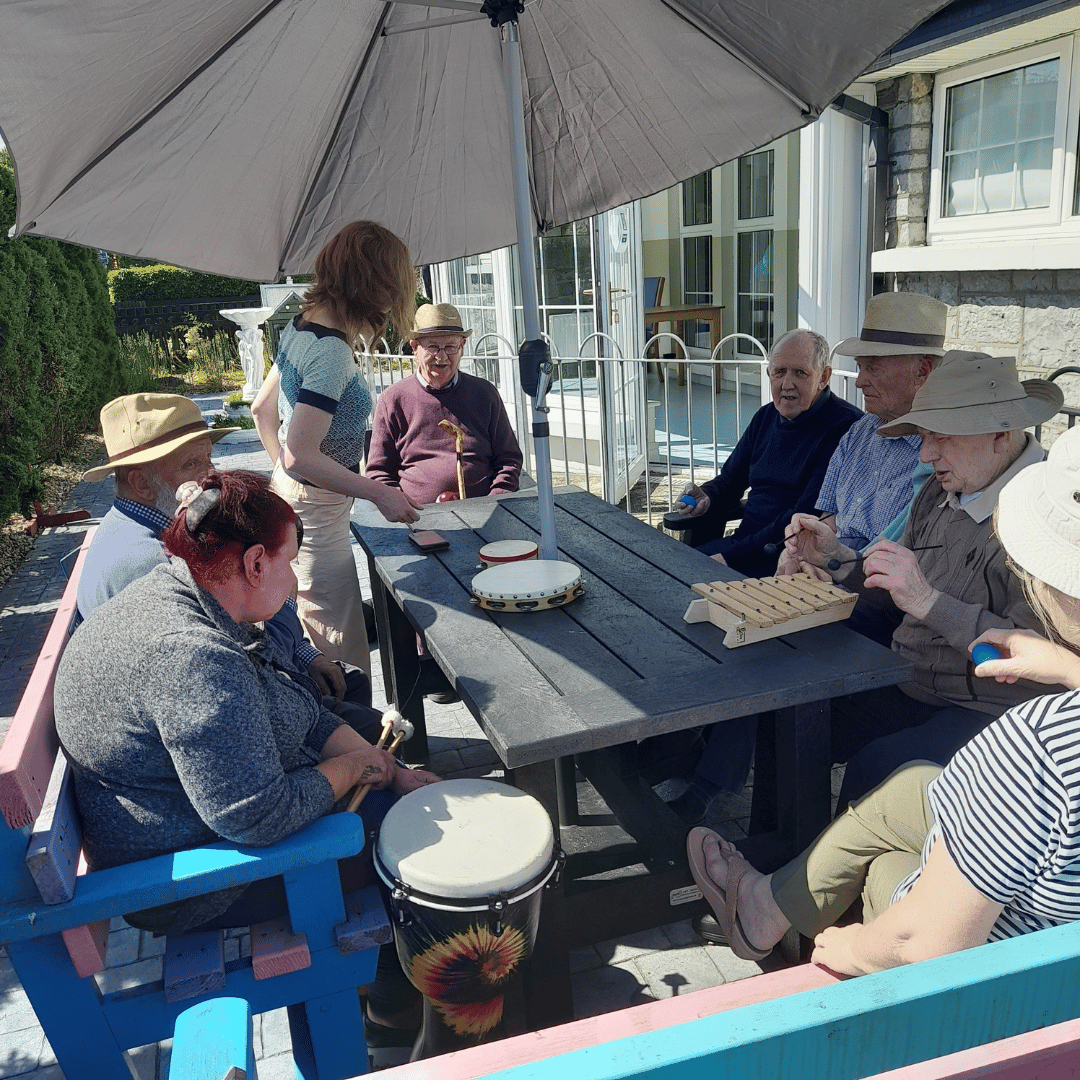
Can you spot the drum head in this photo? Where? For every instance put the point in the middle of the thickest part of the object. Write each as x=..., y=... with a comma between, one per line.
x=465, y=838
x=531, y=580
x=504, y=551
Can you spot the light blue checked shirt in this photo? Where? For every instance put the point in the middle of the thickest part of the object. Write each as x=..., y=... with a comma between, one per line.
x=869, y=481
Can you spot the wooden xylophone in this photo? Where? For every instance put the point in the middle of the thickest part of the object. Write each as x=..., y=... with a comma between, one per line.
x=755, y=609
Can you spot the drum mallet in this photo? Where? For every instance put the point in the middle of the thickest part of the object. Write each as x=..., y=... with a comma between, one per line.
x=403, y=729
x=459, y=442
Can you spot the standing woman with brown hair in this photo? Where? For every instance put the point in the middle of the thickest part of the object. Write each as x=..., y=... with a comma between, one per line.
x=312, y=414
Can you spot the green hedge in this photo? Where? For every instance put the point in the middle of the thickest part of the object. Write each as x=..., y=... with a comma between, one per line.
x=161, y=282
x=59, y=357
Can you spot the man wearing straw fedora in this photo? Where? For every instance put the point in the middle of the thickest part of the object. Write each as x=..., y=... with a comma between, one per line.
x=947, y=577
x=868, y=484
x=410, y=451
x=155, y=443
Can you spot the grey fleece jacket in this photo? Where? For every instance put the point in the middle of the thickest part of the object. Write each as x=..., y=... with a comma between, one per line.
x=181, y=731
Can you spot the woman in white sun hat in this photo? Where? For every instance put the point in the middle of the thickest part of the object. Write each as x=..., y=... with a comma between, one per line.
x=986, y=848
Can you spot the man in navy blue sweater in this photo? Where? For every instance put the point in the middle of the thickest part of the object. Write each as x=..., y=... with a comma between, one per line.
x=782, y=458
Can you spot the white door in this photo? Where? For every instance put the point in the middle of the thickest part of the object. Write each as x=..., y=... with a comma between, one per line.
x=620, y=317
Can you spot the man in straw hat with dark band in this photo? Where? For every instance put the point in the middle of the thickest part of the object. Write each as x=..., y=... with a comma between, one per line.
x=869, y=481
x=155, y=443
x=947, y=576
x=408, y=448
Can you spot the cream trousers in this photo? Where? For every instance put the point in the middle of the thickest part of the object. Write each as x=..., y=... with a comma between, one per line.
x=328, y=597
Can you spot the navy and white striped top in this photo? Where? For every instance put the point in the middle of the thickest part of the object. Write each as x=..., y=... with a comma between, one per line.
x=1008, y=809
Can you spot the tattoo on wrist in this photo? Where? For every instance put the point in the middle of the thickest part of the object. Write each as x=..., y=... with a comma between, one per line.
x=370, y=771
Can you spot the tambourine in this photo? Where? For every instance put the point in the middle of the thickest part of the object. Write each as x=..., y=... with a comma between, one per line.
x=527, y=586
x=507, y=551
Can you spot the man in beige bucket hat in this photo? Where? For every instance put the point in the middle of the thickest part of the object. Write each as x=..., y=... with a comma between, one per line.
x=947, y=576
x=156, y=442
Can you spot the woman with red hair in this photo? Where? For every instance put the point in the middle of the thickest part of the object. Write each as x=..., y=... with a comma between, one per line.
x=180, y=726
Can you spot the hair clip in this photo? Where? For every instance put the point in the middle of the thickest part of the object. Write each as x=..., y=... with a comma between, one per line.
x=197, y=501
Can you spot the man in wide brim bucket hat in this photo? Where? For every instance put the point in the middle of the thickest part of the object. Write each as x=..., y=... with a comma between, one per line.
x=141, y=428
x=975, y=394
x=948, y=575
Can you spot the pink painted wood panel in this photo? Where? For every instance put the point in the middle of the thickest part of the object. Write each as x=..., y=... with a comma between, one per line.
x=538, y=1045
x=26, y=757
x=276, y=950
x=86, y=945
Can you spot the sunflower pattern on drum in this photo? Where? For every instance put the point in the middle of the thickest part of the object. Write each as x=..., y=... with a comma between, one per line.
x=455, y=972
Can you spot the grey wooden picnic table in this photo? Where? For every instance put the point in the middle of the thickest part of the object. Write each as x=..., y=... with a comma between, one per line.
x=570, y=688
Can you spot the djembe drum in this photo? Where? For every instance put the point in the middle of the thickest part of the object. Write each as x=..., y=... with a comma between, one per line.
x=466, y=862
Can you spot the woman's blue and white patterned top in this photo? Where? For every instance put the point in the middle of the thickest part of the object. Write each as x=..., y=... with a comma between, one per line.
x=1008, y=809
x=316, y=367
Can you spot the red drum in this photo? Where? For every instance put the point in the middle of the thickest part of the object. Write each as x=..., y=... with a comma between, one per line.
x=507, y=551
x=466, y=862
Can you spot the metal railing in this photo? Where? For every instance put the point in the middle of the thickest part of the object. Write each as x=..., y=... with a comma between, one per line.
x=614, y=422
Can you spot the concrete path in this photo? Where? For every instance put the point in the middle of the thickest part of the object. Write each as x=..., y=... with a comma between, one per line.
x=613, y=975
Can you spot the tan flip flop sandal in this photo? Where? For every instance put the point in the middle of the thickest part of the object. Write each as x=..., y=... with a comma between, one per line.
x=723, y=902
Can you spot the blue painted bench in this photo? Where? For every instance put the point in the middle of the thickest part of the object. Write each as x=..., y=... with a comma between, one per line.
x=212, y=1041
x=54, y=917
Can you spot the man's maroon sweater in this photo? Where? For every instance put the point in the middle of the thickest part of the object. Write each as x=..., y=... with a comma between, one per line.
x=410, y=451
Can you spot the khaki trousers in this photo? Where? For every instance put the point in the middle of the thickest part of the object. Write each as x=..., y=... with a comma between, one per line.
x=328, y=599
x=869, y=849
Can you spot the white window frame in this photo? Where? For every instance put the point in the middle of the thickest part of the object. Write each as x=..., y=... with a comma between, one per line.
x=753, y=225
x=1044, y=222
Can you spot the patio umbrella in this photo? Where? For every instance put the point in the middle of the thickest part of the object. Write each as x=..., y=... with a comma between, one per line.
x=237, y=136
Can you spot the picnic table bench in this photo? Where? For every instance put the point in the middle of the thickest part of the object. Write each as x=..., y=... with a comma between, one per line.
x=576, y=687
x=55, y=916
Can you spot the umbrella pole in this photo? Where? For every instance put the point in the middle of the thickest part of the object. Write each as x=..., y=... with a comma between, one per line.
x=533, y=357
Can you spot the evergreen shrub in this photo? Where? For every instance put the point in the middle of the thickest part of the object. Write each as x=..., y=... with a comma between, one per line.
x=59, y=358
x=162, y=282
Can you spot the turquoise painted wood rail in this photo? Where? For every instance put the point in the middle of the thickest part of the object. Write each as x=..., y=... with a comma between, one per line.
x=854, y=1028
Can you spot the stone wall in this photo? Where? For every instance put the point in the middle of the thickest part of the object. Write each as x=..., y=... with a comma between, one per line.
x=909, y=102
x=1033, y=315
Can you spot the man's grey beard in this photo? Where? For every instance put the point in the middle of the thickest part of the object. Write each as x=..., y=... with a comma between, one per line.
x=164, y=497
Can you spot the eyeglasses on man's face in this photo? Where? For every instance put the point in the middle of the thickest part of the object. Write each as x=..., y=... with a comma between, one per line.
x=449, y=351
